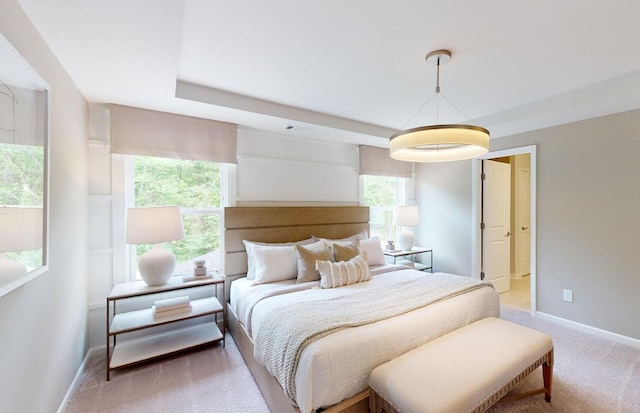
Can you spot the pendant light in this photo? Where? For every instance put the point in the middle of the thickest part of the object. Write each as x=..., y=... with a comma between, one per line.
x=440, y=142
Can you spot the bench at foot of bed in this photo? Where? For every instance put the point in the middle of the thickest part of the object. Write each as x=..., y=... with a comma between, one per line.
x=467, y=370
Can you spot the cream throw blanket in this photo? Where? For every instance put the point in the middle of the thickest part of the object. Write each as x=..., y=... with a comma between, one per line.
x=285, y=331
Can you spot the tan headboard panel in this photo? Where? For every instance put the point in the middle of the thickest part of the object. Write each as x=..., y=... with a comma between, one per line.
x=283, y=224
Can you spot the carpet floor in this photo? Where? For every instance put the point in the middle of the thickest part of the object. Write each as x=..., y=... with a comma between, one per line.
x=591, y=374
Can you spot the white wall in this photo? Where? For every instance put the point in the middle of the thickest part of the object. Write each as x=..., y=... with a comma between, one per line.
x=281, y=169
x=43, y=324
x=443, y=193
x=587, y=226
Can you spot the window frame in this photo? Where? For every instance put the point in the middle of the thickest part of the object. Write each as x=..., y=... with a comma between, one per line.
x=404, y=187
x=129, y=197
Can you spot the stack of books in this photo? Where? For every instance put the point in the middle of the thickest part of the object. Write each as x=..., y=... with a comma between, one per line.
x=171, y=306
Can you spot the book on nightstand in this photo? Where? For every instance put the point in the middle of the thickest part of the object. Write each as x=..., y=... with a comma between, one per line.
x=167, y=313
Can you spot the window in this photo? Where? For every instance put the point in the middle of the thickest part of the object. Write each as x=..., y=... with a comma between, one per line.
x=381, y=194
x=193, y=185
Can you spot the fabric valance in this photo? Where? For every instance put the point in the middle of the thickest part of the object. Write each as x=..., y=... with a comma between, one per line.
x=136, y=131
x=377, y=161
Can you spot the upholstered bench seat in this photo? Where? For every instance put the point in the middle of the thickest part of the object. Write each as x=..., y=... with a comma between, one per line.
x=467, y=370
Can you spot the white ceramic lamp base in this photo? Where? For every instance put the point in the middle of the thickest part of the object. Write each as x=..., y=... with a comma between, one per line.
x=156, y=265
x=406, y=240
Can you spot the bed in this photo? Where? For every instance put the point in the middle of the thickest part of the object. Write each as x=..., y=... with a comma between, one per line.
x=330, y=373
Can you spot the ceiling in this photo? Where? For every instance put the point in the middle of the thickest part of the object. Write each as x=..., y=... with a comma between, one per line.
x=351, y=71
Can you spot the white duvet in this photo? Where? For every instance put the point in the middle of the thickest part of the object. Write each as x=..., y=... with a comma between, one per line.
x=337, y=366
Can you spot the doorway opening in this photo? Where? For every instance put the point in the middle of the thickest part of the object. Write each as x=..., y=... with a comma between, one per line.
x=505, y=251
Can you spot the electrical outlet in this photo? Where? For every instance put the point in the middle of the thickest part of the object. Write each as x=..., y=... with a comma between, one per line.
x=567, y=295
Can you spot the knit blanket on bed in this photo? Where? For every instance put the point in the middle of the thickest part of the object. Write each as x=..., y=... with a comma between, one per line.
x=286, y=330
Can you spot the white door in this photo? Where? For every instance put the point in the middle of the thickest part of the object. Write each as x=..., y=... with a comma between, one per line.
x=523, y=226
x=496, y=212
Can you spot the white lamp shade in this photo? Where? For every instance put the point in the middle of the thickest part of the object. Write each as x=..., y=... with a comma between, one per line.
x=406, y=216
x=153, y=225
x=20, y=228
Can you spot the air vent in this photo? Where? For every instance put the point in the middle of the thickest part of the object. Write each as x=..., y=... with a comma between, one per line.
x=298, y=128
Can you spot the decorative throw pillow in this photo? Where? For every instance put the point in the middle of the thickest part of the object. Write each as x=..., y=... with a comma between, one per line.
x=338, y=274
x=345, y=252
x=270, y=263
x=373, y=247
x=307, y=257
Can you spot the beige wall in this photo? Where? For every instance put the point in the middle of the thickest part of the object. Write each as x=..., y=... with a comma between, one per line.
x=43, y=323
x=587, y=224
x=443, y=195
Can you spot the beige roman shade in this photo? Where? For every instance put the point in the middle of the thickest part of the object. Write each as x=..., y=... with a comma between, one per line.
x=376, y=161
x=137, y=131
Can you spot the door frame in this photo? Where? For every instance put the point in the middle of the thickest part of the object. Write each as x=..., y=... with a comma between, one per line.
x=476, y=211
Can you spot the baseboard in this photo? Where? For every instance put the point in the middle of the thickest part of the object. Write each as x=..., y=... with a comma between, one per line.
x=74, y=383
x=618, y=338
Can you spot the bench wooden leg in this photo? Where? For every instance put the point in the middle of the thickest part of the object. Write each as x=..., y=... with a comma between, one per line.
x=547, y=376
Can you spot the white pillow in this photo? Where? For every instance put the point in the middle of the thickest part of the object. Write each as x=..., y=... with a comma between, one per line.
x=360, y=235
x=251, y=271
x=373, y=248
x=271, y=263
x=337, y=274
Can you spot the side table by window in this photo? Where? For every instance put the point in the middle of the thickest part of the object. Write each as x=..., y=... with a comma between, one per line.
x=121, y=353
x=409, y=257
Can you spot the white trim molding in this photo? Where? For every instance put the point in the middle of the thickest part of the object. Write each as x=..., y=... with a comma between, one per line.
x=476, y=211
x=618, y=338
x=74, y=384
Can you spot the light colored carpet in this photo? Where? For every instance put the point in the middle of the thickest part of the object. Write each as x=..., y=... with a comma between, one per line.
x=590, y=375
x=214, y=379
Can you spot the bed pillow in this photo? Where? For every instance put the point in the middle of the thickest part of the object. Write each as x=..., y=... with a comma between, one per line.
x=338, y=274
x=307, y=257
x=271, y=263
x=251, y=268
x=373, y=248
x=360, y=235
x=345, y=252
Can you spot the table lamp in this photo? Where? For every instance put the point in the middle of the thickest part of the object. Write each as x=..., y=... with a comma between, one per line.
x=20, y=230
x=406, y=216
x=155, y=225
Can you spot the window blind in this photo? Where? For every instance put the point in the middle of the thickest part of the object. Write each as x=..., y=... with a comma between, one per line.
x=136, y=131
x=377, y=161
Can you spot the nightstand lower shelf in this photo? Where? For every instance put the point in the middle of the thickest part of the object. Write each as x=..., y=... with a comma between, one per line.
x=145, y=348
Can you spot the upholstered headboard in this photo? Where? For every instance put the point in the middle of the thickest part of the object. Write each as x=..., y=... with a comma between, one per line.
x=282, y=224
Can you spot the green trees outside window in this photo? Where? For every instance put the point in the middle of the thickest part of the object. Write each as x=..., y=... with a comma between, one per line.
x=195, y=186
x=22, y=184
x=381, y=195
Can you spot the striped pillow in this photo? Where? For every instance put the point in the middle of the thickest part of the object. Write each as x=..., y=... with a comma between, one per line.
x=338, y=274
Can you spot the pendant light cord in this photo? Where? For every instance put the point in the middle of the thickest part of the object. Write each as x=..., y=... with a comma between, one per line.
x=436, y=95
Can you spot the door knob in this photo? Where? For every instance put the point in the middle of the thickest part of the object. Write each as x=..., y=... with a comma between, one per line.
x=508, y=235
x=525, y=228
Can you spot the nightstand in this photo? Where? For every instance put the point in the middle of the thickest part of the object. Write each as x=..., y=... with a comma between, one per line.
x=127, y=352
x=409, y=256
